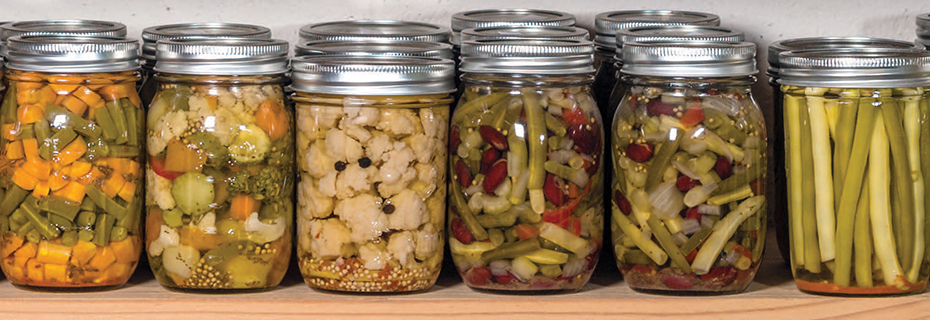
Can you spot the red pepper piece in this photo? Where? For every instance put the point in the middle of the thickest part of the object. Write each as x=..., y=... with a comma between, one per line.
x=478, y=276
x=460, y=231
x=158, y=166
x=574, y=116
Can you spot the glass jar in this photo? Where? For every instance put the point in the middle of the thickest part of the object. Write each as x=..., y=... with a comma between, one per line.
x=923, y=29
x=72, y=167
x=607, y=63
x=399, y=48
x=525, y=33
x=690, y=166
x=778, y=194
x=856, y=169
x=220, y=176
x=195, y=30
x=372, y=137
x=366, y=30
x=527, y=170
x=78, y=28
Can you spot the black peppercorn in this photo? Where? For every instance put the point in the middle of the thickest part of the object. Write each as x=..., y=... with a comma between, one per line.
x=388, y=209
x=340, y=166
x=364, y=162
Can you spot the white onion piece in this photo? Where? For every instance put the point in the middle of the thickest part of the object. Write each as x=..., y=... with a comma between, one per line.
x=684, y=170
x=690, y=226
x=709, y=209
x=666, y=200
x=707, y=222
x=680, y=239
x=722, y=103
x=500, y=267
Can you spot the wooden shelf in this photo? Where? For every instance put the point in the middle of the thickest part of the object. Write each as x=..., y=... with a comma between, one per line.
x=772, y=295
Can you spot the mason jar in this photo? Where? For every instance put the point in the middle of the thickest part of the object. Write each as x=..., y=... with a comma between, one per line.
x=78, y=28
x=193, y=30
x=923, y=29
x=365, y=30
x=526, y=166
x=855, y=127
x=525, y=33
x=220, y=176
x=372, y=139
x=607, y=63
x=72, y=149
x=778, y=194
x=376, y=47
x=690, y=163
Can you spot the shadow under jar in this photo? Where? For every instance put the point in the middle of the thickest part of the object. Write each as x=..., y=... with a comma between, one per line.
x=689, y=180
x=526, y=166
x=220, y=177
x=372, y=138
x=72, y=153
x=857, y=162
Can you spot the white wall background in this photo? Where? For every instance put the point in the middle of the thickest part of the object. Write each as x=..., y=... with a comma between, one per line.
x=763, y=21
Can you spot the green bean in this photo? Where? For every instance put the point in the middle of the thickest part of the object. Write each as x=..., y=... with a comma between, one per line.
x=903, y=184
x=58, y=141
x=845, y=131
x=662, y=159
x=102, y=229
x=731, y=197
x=510, y=116
x=511, y=250
x=760, y=237
x=536, y=140
x=11, y=200
x=33, y=236
x=879, y=186
x=696, y=240
x=86, y=219
x=87, y=204
x=823, y=181
x=224, y=252
x=118, y=234
x=505, y=219
x=496, y=236
x=550, y=270
x=124, y=151
x=665, y=240
x=458, y=203
x=69, y=238
x=794, y=146
x=131, y=113
x=41, y=130
x=18, y=216
x=55, y=114
x=492, y=116
x=713, y=119
x=105, y=121
x=527, y=215
x=812, y=255
x=28, y=131
x=723, y=230
x=4, y=224
x=912, y=130
x=924, y=107
x=116, y=110
x=85, y=235
x=39, y=222
x=862, y=242
x=576, y=176
x=555, y=125
x=741, y=179
x=8, y=107
x=24, y=229
x=60, y=222
x=60, y=206
x=476, y=105
x=634, y=256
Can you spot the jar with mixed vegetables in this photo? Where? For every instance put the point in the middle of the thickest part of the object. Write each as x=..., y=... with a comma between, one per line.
x=220, y=175
x=689, y=154
x=372, y=193
x=71, y=173
x=526, y=167
x=857, y=160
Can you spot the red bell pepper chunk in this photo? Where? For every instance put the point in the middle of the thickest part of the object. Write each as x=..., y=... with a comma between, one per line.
x=574, y=116
x=526, y=231
x=693, y=116
x=158, y=166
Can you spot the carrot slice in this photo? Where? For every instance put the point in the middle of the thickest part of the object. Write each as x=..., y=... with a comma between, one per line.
x=74, y=191
x=242, y=206
x=14, y=150
x=271, y=117
x=23, y=179
x=72, y=151
x=29, y=113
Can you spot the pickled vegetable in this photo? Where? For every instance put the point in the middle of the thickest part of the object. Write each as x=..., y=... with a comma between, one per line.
x=372, y=191
x=73, y=209
x=688, y=194
x=220, y=182
x=541, y=184
x=877, y=243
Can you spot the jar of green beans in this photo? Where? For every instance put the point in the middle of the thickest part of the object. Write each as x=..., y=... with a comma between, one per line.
x=857, y=158
x=689, y=154
x=526, y=166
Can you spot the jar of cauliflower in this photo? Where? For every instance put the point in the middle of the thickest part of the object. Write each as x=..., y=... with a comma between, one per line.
x=372, y=134
x=526, y=185
x=220, y=176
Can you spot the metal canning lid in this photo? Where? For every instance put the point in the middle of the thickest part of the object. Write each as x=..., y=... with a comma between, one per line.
x=66, y=54
x=222, y=56
x=79, y=28
x=525, y=33
x=677, y=33
x=831, y=43
x=923, y=29
x=372, y=75
x=689, y=59
x=606, y=24
x=375, y=47
x=543, y=57
x=361, y=30
x=508, y=18
x=203, y=30
x=855, y=69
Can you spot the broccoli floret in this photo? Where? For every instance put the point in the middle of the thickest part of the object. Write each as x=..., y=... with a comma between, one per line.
x=217, y=156
x=239, y=183
x=269, y=183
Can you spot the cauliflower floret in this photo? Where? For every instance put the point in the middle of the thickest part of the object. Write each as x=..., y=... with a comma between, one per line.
x=318, y=163
x=172, y=125
x=223, y=124
x=398, y=122
x=358, y=133
x=253, y=96
x=313, y=204
x=167, y=237
x=322, y=117
x=401, y=247
x=208, y=223
x=361, y=116
x=309, y=125
x=351, y=181
x=364, y=217
x=224, y=99
x=273, y=92
x=242, y=112
x=260, y=232
x=374, y=256
x=427, y=242
x=427, y=175
x=341, y=147
x=378, y=147
x=328, y=184
x=409, y=211
x=159, y=189
x=423, y=147
x=434, y=124
x=327, y=238
x=386, y=190
x=198, y=105
x=396, y=163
